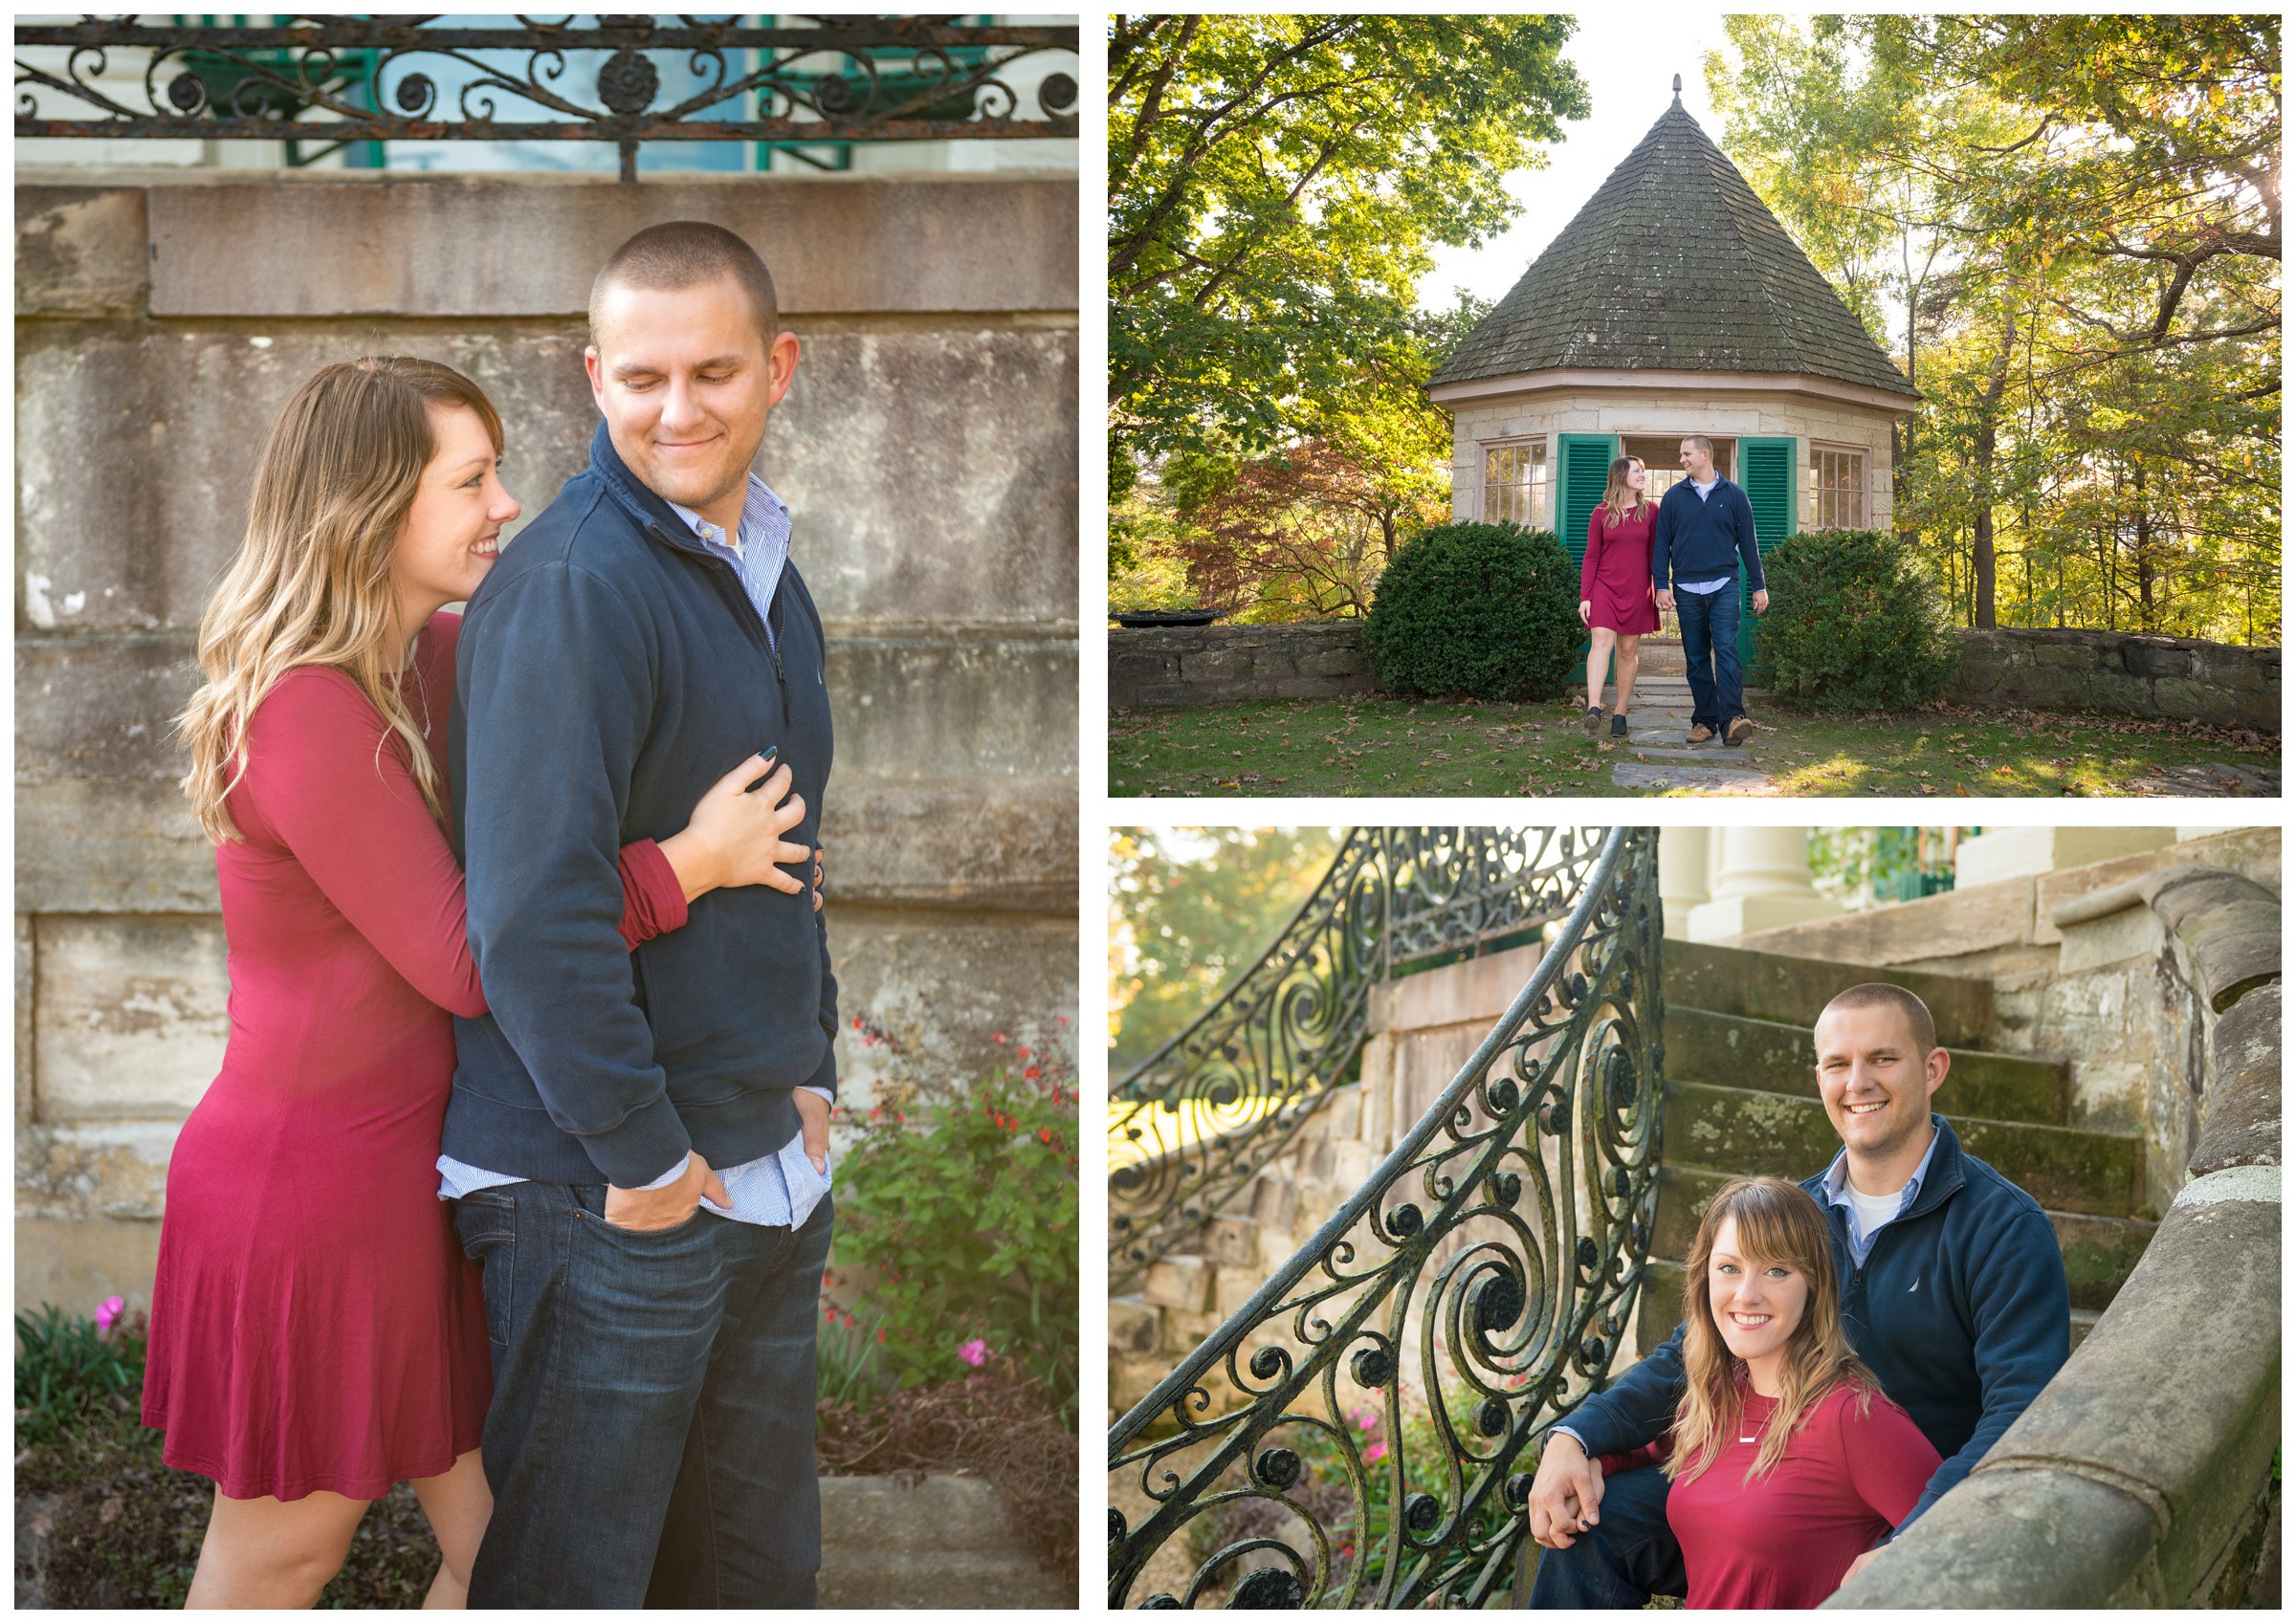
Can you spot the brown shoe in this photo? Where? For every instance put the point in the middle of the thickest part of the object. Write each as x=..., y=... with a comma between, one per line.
x=1699, y=735
x=1741, y=730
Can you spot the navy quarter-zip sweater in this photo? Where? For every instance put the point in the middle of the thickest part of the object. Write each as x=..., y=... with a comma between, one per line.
x=1704, y=537
x=1961, y=1312
x=611, y=670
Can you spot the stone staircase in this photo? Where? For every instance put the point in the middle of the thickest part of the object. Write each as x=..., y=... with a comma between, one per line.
x=1654, y=755
x=1742, y=1098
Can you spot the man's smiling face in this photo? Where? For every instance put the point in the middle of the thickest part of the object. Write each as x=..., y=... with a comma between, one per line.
x=686, y=381
x=1874, y=1078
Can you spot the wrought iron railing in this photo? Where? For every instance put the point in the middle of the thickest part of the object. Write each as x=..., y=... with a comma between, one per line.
x=343, y=80
x=1198, y=1120
x=1355, y=1427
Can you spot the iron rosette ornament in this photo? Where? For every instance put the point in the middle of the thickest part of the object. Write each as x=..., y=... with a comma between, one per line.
x=1358, y=1433
x=1195, y=1123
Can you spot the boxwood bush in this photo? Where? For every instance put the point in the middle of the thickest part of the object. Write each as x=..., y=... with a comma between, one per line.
x=1488, y=611
x=1856, y=623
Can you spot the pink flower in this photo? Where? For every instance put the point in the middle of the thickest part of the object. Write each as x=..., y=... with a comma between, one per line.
x=974, y=1352
x=1376, y=1452
x=108, y=1313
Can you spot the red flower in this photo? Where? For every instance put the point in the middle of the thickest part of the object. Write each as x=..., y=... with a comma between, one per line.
x=1045, y=1135
x=1031, y=1073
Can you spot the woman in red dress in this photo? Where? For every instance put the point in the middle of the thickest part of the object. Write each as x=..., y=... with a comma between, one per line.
x=1615, y=597
x=317, y=1335
x=1787, y=1461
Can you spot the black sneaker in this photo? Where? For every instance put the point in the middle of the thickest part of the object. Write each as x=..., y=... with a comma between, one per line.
x=1594, y=720
x=1618, y=727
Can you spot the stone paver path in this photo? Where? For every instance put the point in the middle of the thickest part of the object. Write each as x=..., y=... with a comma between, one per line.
x=1655, y=754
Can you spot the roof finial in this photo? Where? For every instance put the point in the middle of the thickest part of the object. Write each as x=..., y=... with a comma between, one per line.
x=1678, y=87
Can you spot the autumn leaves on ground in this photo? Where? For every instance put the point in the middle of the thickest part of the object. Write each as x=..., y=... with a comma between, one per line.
x=1399, y=747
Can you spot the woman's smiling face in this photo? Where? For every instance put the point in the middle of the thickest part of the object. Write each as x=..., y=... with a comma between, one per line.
x=1757, y=1303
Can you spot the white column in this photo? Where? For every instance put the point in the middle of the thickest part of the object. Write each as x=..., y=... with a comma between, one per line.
x=1681, y=877
x=1761, y=879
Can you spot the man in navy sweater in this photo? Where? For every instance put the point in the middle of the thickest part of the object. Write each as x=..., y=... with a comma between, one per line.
x=637, y=1143
x=1952, y=1291
x=1705, y=531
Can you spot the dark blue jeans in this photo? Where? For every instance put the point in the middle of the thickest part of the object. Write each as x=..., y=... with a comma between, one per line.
x=651, y=1440
x=1624, y=1560
x=1709, y=648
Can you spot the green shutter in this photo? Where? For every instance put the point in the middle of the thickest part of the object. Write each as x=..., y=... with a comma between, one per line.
x=1584, y=470
x=1766, y=472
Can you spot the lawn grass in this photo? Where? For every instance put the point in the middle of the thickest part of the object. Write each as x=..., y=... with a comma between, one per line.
x=1374, y=745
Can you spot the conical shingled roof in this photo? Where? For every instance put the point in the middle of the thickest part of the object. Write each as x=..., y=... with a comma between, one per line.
x=1674, y=266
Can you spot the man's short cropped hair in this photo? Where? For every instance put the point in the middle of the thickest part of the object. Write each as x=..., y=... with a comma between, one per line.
x=683, y=253
x=1705, y=447
x=1872, y=995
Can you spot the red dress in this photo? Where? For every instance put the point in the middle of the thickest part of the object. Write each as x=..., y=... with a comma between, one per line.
x=313, y=1324
x=1786, y=1540
x=1616, y=575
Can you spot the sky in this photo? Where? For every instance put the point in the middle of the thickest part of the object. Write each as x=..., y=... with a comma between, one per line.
x=1629, y=56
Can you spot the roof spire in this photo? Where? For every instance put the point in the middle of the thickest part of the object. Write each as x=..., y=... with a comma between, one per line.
x=1678, y=90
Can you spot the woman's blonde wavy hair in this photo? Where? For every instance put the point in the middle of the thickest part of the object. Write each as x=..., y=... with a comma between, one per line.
x=311, y=584
x=1777, y=1223
x=1620, y=499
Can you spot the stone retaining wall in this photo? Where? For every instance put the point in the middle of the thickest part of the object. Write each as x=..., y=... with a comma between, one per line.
x=2177, y=677
x=928, y=450
x=1231, y=665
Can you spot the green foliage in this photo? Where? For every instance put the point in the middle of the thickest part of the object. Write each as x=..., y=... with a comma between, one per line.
x=1275, y=187
x=1188, y=909
x=1855, y=624
x=963, y=1208
x=1488, y=610
x=66, y=1368
x=848, y=1361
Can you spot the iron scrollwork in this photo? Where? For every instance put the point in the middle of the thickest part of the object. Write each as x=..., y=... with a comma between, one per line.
x=1293, y=1460
x=1196, y=1122
x=341, y=79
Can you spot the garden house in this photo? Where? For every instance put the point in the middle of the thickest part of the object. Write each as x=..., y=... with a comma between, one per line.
x=1674, y=303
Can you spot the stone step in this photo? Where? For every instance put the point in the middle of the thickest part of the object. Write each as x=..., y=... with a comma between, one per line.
x=1740, y=1051
x=1660, y=1308
x=1744, y=1131
x=2099, y=1252
x=1775, y=986
x=1691, y=775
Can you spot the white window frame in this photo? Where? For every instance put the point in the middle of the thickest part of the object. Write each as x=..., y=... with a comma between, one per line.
x=1543, y=486
x=1860, y=488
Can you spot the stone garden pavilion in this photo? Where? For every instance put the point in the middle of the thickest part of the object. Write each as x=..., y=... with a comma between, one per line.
x=1674, y=303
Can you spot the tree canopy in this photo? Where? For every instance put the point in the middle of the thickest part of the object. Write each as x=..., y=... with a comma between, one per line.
x=2079, y=219
x=1275, y=184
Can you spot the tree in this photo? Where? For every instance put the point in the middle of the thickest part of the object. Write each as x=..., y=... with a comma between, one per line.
x=2085, y=220
x=1275, y=184
x=1189, y=910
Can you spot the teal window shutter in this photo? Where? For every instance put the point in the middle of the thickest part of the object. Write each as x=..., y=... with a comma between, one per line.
x=1767, y=469
x=1585, y=470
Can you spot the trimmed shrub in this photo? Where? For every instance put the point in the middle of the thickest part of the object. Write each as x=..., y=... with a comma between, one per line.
x=1856, y=623
x=1488, y=610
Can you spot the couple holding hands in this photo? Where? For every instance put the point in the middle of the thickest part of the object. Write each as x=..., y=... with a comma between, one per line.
x=514, y=1181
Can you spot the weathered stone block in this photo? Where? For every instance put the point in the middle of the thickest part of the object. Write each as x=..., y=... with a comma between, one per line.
x=927, y=705
x=1275, y=1203
x=941, y=1540
x=1231, y=1240
x=2157, y=657
x=27, y=958
x=113, y=1170
x=1184, y=1332
x=76, y=1262
x=979, y=525
x=1179, y=1283
x=131, y=1016
x=1132, y=1326
x=2242, y=1121
x=849, y=244
x=81, y=250
x=2192, y=701
x=1236, y=1285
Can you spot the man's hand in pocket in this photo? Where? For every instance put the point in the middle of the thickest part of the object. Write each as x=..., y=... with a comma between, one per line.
x=813, y=1111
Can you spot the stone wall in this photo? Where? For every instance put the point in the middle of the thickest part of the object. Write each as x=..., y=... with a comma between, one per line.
x=2177, y=677
x=1230, y=665
x=928, y=450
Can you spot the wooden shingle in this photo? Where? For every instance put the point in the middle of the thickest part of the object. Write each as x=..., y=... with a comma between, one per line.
x=1674, y=265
